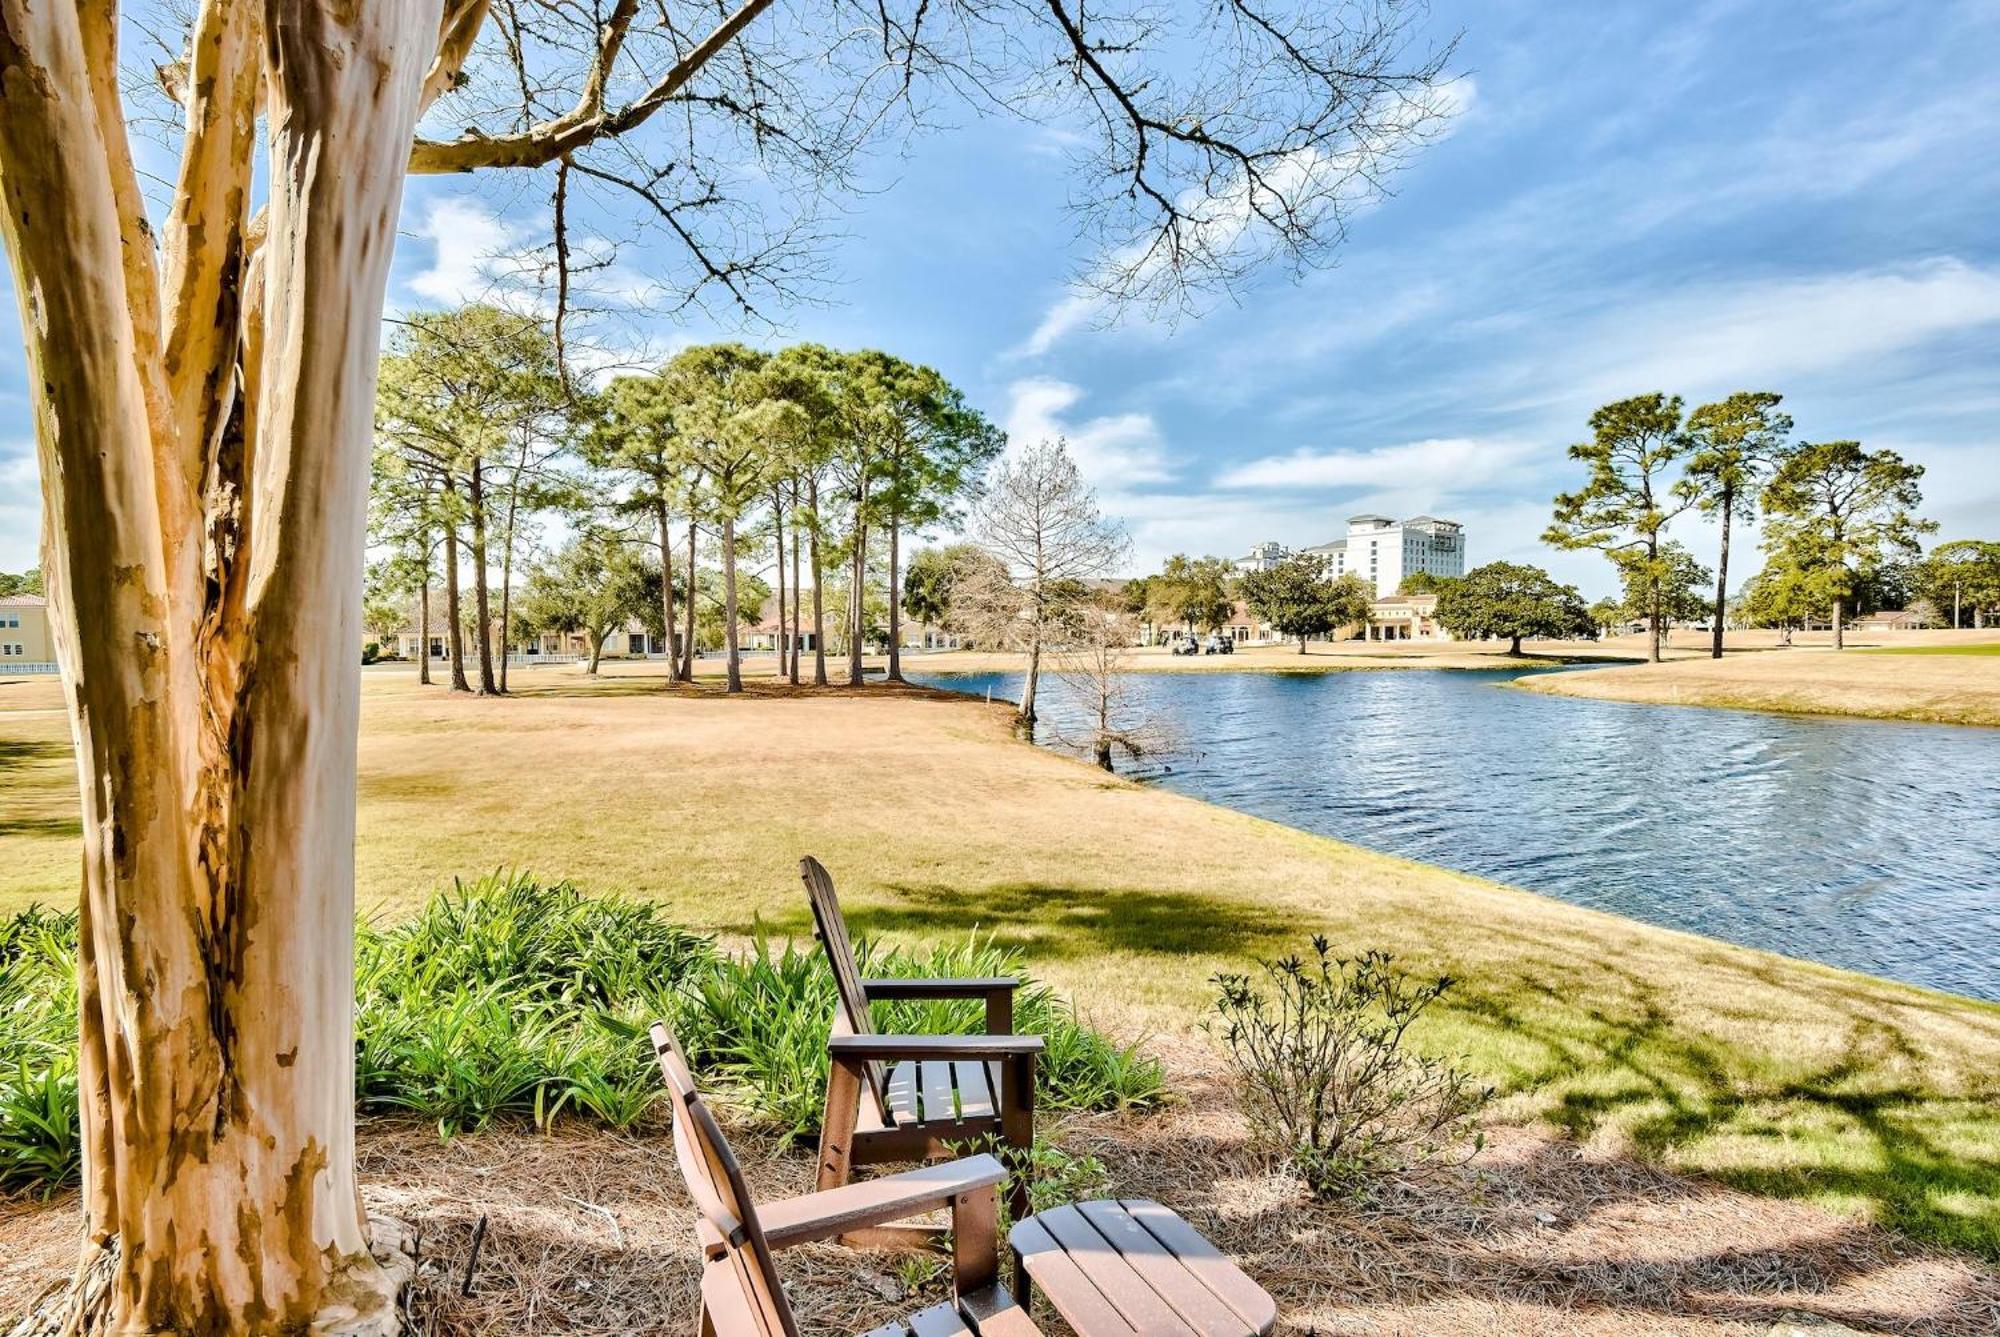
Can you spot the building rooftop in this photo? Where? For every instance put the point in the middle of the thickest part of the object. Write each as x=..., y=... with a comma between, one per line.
x=23, y=601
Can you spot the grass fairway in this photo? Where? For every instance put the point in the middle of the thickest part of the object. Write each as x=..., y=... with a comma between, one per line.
x=1986, y=648
x=1786, y=1078
x=1935, y=681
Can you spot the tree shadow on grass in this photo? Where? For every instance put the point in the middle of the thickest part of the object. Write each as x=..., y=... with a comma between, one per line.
x=1064, y=923
x=16, y=754
x=1858, y=1125
x=1538, y=1237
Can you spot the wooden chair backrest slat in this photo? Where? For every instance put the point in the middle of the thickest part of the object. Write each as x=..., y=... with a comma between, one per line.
x=830, y=926
x=715, y=1182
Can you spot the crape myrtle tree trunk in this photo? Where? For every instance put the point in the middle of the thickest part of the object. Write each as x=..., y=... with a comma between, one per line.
x=204, y=433
x=201, y=386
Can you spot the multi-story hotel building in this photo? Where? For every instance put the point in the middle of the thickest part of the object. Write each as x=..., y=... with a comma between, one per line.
x=1383, y=551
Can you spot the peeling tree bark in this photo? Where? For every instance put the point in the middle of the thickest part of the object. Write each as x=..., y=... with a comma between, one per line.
x=204, y=455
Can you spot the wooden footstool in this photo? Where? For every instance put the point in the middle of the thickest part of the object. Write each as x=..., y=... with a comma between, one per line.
x=1120, y=1269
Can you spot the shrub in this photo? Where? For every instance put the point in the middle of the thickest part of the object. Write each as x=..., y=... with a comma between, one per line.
x=1326, y=1079
x=762, y=1023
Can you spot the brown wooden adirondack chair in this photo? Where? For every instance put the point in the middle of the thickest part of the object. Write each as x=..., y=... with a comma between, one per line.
x=741, y=1295
x=942, y=1091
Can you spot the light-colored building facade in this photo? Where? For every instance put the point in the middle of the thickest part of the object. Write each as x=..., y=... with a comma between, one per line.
x=1406, y=617
x=1262, y=557
x=24, y=634
x=1382, y=550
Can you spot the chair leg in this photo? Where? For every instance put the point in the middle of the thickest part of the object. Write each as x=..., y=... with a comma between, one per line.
x=975, y=1241
x=836, y=1134
x=1017, y=1127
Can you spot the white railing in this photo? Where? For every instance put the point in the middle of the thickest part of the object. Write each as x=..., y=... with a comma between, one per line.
x=16, y=668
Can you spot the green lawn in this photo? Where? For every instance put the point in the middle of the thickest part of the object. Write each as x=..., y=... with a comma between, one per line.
x=1986, y=648
x=1769, y=1073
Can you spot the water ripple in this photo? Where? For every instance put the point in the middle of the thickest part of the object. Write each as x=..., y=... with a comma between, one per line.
x=1864, y=844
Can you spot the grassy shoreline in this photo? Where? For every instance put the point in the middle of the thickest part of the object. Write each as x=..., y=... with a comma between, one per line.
x=1787, y=1078
x=1929, y=684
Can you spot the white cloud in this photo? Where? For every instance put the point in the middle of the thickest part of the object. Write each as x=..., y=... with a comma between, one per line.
x=473, y=250
x=1337, y=185
x=1433, y=465
x=1069, y=314
x=1724, y=336
x=1113, y=451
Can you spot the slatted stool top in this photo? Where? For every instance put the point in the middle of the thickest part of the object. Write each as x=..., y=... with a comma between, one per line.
x=1135, y=1269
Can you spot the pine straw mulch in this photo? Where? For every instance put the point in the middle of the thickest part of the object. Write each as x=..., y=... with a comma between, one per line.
x=591, y=1233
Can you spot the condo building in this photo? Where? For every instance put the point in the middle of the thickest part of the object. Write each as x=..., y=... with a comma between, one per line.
x=1384, y=550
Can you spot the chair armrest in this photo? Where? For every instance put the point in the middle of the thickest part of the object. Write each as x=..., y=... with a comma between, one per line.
x=890, y=990
x=891, y=1047
x=835, y=1211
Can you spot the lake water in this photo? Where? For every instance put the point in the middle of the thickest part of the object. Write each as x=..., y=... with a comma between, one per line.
x=1860, y=843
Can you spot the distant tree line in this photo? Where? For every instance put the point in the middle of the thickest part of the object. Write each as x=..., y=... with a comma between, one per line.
x=535, y=503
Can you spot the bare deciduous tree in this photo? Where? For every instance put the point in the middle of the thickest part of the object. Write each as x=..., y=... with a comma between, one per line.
x=1042, y=521
x=201, y=387
x=1094, y=663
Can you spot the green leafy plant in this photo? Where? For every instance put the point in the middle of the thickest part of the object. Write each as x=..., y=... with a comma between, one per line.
x=510, y=998
x=762, y=1023
x=1326, y=1078
x=40, y=1146
x=1056, y=1176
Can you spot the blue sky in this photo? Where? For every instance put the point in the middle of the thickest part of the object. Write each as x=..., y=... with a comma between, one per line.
x=1688, y=198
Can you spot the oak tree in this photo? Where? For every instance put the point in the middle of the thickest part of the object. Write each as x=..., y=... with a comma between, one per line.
x=1299, y=597
x=1511, y=601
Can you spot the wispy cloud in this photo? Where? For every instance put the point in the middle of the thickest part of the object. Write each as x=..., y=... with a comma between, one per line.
x=1717, y=336
x=473, y=251
x=1115, y=450
x=1339, y=185
x=1443, y=463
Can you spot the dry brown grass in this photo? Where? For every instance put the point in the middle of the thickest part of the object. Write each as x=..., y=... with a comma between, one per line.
x=593, y=1234
x=1942, y=688
x=1870, y=1098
